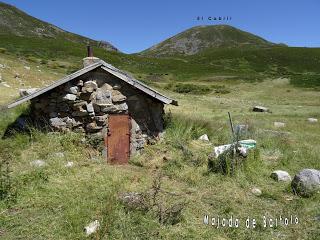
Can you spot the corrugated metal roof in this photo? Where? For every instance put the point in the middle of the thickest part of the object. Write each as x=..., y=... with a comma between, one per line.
x=107, y=67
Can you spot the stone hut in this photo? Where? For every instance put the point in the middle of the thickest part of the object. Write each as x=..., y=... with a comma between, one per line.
x=103, y=101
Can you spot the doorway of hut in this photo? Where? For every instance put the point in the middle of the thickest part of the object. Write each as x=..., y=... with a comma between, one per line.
x=117, y=140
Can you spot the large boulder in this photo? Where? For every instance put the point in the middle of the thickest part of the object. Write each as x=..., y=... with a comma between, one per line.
x=89, y=87
x=260, y=109
x=110, y=108
x=92, y=227
x=38, y=163
x=122, y=107
x=90, y=108
x=71, y=122
x=280, y=175
x=72, y=89
x=256, y=191
x=69, y=164
x=106, y=87
x=204, y=138
x=306, y=182
x=103, y=97
x=101, y=120
x=70, y=97
x=57, y=123
x=312, y=120
x=115, y=108
x=118, y=96
x=279, y=124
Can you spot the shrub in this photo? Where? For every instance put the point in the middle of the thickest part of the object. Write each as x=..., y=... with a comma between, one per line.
x=189, y=88
x=226, y=163
x=165, y=206
x=3, y=50
x=181, y=129
x=306, y=80
x=231, y=162
x=32, y=59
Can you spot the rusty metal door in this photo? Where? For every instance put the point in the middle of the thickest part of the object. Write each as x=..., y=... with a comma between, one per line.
x=118, y=139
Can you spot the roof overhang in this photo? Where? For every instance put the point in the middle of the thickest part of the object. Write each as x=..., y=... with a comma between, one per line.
x=108, y=68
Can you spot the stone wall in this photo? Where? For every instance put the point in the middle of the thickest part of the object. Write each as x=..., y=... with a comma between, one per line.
x=85, y=103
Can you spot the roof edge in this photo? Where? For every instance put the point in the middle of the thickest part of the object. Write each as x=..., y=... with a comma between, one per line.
x=126, y=77
x=55, y=84
x=139, y=85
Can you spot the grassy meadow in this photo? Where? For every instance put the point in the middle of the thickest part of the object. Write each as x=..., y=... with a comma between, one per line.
x=55, y=202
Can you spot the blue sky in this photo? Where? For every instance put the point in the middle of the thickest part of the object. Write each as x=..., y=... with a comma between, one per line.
x=135, y=25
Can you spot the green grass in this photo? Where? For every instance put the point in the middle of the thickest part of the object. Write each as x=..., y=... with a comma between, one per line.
x=56, y=203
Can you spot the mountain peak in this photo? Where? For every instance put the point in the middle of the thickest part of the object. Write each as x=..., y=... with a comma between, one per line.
x=14, y=21
x=200, y=38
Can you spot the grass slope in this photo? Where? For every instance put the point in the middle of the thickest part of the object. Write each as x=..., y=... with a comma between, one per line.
x=15, y=22
x=235, y=63
x=56, y=203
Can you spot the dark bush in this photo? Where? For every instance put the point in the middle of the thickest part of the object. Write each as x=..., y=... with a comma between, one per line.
x=306, y=80
x=188, y=88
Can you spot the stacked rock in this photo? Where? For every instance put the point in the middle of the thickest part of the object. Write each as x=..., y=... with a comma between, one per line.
x=81, y=106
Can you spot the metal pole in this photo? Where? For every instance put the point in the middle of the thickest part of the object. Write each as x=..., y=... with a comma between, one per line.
x=231, y=125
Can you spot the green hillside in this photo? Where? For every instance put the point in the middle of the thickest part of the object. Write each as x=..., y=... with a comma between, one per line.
x=250, y=64
x=222, y=52
x=15, y=22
